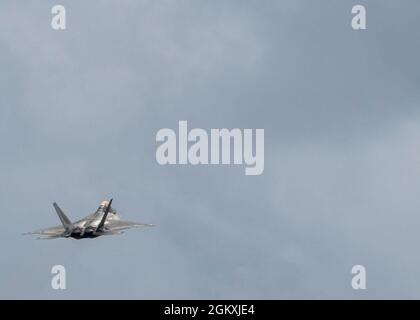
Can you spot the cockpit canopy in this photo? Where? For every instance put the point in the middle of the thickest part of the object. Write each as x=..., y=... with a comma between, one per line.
x=104, y=205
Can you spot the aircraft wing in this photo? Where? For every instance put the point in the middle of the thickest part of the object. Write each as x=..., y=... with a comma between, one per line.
x=50, y=237
x=53, y=231
x=118, y=225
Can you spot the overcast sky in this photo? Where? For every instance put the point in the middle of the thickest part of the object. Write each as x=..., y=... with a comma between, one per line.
x=80, y=108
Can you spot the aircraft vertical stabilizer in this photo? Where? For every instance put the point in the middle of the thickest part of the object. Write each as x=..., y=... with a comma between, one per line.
x=64, y=220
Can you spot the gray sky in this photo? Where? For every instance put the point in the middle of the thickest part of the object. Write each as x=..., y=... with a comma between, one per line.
x=80, y=108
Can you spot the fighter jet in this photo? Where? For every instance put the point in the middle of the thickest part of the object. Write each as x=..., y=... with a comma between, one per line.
x=105, y=221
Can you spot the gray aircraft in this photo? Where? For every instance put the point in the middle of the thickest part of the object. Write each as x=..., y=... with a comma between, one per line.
x=105, y=221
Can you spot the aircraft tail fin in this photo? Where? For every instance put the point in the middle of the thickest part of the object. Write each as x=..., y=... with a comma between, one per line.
x=102, y=223
x=64, y=220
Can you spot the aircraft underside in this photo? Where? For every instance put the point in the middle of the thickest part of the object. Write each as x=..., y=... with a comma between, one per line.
x=86, y=235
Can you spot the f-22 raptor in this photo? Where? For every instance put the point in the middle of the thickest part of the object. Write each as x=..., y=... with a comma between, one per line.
x=105, y=221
